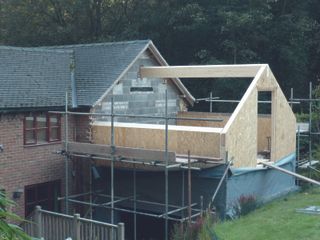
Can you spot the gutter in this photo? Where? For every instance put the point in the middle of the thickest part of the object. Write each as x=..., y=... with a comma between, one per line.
x=31, y=109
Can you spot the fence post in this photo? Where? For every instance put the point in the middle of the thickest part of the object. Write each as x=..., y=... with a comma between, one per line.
x=76, y=226
x=38, y=218
x=120, y=234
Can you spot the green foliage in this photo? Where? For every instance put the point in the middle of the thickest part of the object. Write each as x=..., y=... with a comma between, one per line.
x=9, y=231
x=283, y=33
x=313, y=173
x=276, y=220
x=245, y=205
x=201, y=229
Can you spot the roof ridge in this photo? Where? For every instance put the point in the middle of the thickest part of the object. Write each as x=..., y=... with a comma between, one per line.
x=35, y=49
x=146, y=41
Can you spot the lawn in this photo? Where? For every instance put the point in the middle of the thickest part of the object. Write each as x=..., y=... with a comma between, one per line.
x=276, y=220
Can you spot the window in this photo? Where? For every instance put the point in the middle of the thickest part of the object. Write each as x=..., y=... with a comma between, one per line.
x=141, y=89
x=42, y=194
x=42, y=128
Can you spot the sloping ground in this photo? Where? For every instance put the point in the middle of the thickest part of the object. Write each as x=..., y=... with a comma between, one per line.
x=277, y=220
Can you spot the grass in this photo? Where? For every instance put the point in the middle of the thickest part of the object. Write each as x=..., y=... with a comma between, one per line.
x=276, y=220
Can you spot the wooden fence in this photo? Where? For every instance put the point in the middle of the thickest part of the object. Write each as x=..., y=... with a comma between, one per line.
x=56, y=226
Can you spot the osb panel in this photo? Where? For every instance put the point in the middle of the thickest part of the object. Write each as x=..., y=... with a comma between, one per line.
x=264, y=131
x=285, y=127
x=241, y=137
x=265, y=84
x=224, y=116
x=199, y=143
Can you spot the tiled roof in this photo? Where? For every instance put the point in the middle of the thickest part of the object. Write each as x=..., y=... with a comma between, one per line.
x=31, y=77
x=99, y=65
x=39, y=77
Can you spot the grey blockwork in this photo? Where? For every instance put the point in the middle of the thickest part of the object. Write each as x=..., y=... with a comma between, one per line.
x=131, y=102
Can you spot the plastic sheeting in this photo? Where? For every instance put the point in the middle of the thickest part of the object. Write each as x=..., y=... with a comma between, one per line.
x=263, y=183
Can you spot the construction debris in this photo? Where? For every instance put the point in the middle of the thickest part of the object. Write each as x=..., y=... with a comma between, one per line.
x=310, y=210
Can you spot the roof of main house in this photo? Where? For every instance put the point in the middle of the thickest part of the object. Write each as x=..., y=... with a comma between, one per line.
x=39, y=77
x=32, y=77
x=99, y=65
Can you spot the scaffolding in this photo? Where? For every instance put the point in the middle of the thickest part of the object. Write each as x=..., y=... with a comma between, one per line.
x=306, y=130
x=115, y=155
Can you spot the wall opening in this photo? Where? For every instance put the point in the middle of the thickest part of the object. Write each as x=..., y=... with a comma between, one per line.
x=264, y=125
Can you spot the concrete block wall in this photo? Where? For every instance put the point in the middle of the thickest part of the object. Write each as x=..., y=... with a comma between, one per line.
x=152, y=102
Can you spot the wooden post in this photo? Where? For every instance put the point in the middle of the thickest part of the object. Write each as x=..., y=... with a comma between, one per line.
x=76, y=227
x=38, y=218
x=120, y=231
x=201, y=206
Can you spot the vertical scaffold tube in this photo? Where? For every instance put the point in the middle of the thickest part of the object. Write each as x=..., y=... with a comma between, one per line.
x=112, y=160
x=166, y=169
x=66, y=133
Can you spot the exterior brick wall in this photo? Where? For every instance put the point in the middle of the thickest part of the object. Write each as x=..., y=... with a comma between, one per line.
x=26, y=165
x=82, y=129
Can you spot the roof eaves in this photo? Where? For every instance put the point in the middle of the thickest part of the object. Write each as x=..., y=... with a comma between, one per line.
x=29, y=109
x=95, y=44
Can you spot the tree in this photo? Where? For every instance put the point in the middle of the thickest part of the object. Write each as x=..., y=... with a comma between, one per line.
x=9, y=231
x=285, y=34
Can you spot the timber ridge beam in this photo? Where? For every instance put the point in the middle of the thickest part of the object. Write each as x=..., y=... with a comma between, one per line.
x=202, y=71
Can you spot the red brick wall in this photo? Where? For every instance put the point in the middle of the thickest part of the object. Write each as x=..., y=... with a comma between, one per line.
x=25, y=165
x=82, y=128
x=21, y=165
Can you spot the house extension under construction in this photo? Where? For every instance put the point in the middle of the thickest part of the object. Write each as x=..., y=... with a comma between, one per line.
x=173, y=164
x=105, y=129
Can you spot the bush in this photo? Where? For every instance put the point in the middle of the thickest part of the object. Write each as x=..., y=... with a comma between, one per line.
x=201, y=229
x=9, y=231
x=245, y=205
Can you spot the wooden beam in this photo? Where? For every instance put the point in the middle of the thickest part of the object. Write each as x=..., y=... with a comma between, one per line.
x=201, y=71
x=126, y=152
x=247, y=94
x=291, y=173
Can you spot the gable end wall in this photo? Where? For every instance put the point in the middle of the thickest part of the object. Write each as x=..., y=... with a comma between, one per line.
x=141, y=103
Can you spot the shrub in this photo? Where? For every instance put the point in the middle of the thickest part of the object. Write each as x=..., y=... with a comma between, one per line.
x=202, y=229
x=9, y=231
x=245, y=205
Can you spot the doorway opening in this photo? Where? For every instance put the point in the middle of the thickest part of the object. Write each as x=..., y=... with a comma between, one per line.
x=264, y=125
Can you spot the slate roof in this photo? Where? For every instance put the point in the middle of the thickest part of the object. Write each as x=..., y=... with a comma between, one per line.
x=32, y=77
x=99, y=65
x=39, y=77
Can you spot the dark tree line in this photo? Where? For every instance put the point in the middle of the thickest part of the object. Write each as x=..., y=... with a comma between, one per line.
x=283, y=33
